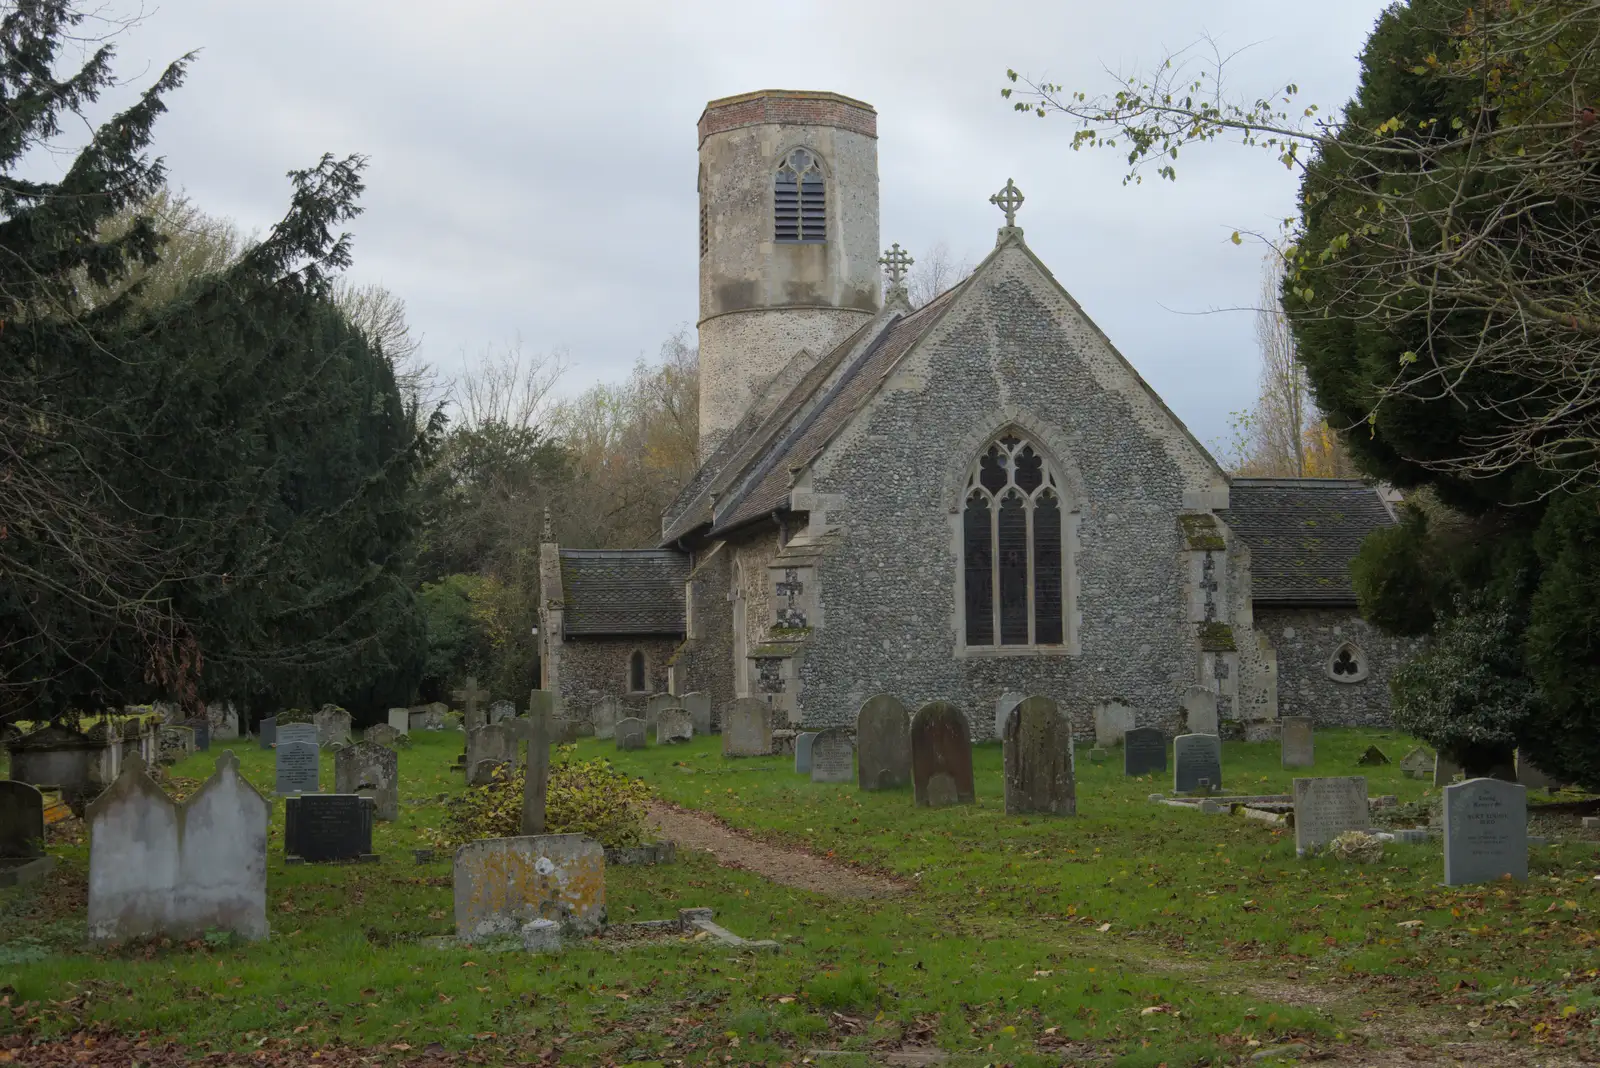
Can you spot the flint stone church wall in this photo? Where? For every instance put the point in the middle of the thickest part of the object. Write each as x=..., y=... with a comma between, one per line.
x=592, y=668
x=1306, y=640
x=704, y=662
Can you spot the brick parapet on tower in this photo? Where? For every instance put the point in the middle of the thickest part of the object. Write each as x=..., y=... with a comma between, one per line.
x=788, y=107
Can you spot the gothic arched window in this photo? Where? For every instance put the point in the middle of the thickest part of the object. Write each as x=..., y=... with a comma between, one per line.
x=799, y=200
x=636, y=680
x=1012, y=549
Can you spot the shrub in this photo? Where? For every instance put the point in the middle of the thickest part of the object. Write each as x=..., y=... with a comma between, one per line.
x=584, y=797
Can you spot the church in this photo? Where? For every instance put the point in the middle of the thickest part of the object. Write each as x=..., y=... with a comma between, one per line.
x=973, y=498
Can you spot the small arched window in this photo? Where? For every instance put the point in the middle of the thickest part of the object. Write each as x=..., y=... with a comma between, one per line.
x=636, y=681
x=799, y=199
x=1012, y=549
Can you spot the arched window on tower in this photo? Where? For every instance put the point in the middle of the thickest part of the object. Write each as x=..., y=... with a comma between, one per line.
x=1012, y=549
x=799, y=199
x=636, y=679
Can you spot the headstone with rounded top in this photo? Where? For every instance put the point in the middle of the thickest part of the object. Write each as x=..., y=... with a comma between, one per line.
x=333, y=725
x=1200, y=710
x=605, y=714
x=22, y=855
x=831, y=756
x=674, y=725
x=1485, y=831
x=1196, y=757
x=802, y=752
x=1039, y=760
x=383, y=734
x=747, y=728
x=630, y=733
x=1297, y=742
x=1002, y=709
x=371, y=770
x=699, y=706
x=655, y=705
x=941, y=756
x=501, y=710
x=1112, y=720
x=1144, y=751
x=883, y=744
x=1325, y=808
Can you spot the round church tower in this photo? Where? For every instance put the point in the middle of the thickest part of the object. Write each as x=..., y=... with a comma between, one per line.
x=788, y=239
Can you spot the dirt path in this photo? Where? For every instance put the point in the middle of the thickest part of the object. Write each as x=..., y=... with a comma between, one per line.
x=791, y=867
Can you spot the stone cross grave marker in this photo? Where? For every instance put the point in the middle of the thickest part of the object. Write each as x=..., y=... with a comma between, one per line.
x=656, y=704
x=1144, y=751
x=1039, y=760
x=1417, y=764
x=333, y=726
x=296, y=759
x=1297, y=741
x=674, y=725
x=488, y=748
x=605, y=714
x=22, y=856
x=699, y=706
x=1112, y=721
x=538, y=729
x=747, y=728
x=501, y=710
x=1196, y=757
x=502, y=884
x=832, y=756
x=1485, y=831
x=1200, y=710
x=267, y=732
x=400, y=719
x=1002, y=709
x=320, y=828
x=1324, y=808
x=630, y=732
x=1445, y=770
x=469, y=696
x=883, y=744
x=543, y=703
x=802, y=752
x=371, y=770
x=941, y=756
x=159, y=868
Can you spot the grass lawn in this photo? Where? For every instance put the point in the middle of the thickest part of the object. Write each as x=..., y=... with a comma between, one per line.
x=1133, y=934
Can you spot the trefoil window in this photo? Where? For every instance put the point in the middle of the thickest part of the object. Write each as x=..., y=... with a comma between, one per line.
x=1012, y=549
x=799, y=199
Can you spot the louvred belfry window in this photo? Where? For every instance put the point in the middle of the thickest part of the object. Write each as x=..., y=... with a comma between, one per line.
x=799, y=199
x=1012, y=555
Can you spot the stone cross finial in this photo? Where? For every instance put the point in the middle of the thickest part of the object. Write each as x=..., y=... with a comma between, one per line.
x=546, y=537
x=1008, y=200
x=896, y=262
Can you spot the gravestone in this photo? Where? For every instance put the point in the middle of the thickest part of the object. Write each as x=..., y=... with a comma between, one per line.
x=493, y=744
x=469, y=696
x=543, y=703
x=1445, y=770
x=1372, y=758
x=802, y=752
x=503, y=883
x=941, y=756
x=630, y=733
x=371, y=770
x=883, y=744
x=296, y=759
x=1038, y=760
x=333, y=725
x=485, y=772
x=605, y=714
x=1485, y=831
x=1297, y=742
x=429, y=717
x=656, y=704
x=1144, y=751
x=202, y=734
x=831, y=756
x=674, y=725
x=699, y=706
x=1417, y=764
x=383, y=734
x=501, y=710
x=158, y=868
x=22, y=855
x=400, y=719
x=223, y=720
x=1002, y=709
x=747, y=728
x=320, y=828
x=536, y=773
x=1196, y=757
x=267, y=732
x=1324, y=808
x=1531, y=777
x=1200, y=710
x=1112, y=720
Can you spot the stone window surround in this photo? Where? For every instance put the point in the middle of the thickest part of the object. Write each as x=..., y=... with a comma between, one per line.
x=1358, y=657
x=821, y=165
x=644, y=663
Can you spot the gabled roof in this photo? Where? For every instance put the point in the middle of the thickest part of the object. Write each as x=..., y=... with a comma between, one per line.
x=1302, y=534
x=623, y=591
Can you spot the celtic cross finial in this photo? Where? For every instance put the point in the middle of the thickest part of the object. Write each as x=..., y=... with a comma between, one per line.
x=1008, y=200
x=896, y=262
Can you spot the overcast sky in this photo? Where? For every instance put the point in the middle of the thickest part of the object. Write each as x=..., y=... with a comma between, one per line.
x=533, y=163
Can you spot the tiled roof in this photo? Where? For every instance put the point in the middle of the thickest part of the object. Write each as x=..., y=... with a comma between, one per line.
x=1303, y=533
x=623, y=591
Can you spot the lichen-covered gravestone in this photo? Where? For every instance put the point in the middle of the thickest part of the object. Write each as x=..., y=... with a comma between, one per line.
x=1485, y=831
x=883, y=744
x=1200, y=710
x=605, y=714
x=296, y=759
x=1144, y=751
x=674, y=725
x=1297, y=742
x=400, y=719
x=333, y=725
x=501, y=710
x=1002, y=709
x=1325, y=808
x=371, y=770
x=1196, y=760
x=699, y=706
x=503, y=883
x=1112, y=720
x=383, y=734
x=747, y=728
x=22, y=856
x=941, y=756
x=631, y=733
x=1039, y=760
x=157, y=868
x=802, y=752
x=831, y=756
x=487, y=748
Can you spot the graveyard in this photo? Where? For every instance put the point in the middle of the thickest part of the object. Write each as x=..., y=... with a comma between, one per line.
x=1133, y=932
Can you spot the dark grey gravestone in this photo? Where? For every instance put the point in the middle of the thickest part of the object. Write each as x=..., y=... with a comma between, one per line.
x=267, y=733
x=371, y=770
x=1144, y=751
x=941, y=756
x=802, y=751
x=1196, y=757
x=630, y=733
x=318, y=828
x=21, y=821
x=1445, y=770
x=202, y=733
x=297, y=759
x=831, y=756
x=1485, y=831
x=883, y=744
x=1038, y=760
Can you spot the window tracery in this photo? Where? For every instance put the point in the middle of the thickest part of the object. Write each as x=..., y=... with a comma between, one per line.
x=799, y=199
x=1013, y=550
